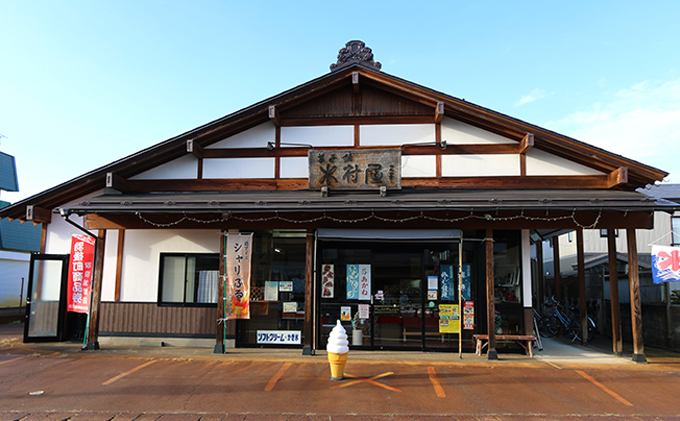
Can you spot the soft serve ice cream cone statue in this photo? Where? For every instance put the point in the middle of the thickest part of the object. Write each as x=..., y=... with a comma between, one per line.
x=337, y=351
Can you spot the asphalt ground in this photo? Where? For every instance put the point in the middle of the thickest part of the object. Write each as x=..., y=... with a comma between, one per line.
x=562, y=382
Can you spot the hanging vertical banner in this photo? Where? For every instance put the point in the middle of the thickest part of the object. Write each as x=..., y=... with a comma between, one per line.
x=81, y=263
x=665, y=264
x=449, y=318
x=465, y=287
x=352, y=282
x=327, y=281
x=447, y=278
x=469, y=315
x=364, y=282
x=237, y=267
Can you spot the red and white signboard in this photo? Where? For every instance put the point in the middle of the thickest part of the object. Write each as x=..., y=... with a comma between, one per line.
x=81, y=265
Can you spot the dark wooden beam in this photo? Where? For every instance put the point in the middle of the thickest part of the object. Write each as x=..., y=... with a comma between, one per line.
x=220, y=332
x=635, y=298
x=117, y=182
x=37, y=214
x=119, y=264
x=95, y=302
x=490, y=296
x=351, y=120
x=439, y=112
x=618, y=177
x=582, y=297
x=194, y=148
x=617, y=341
x=274, y=116
x=308, y=343
x=526, y=143
x=557, y=268
x=355, y=83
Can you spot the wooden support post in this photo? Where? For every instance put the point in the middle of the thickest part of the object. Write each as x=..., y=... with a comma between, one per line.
x=540, y=294
x=617, y=341
x=119, y=264
x=43, y=238
x=556, y=267
x=582, y=298
x=490, y=299
x=95, y=301
x=635, y=299
x=219, y=336
x=308, y=345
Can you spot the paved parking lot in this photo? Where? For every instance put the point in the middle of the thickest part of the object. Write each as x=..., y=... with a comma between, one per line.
x=57, y=381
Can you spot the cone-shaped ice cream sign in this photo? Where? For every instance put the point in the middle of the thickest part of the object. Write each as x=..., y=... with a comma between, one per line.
x=337, y=351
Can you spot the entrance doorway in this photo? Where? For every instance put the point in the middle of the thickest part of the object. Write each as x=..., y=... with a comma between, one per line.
x=46, y=317
x=406, y=285
x=45, y=302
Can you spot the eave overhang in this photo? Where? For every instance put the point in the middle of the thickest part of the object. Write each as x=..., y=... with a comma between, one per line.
x=312, y=201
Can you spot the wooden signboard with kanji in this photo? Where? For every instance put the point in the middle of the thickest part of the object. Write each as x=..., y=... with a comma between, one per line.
x=355, y=169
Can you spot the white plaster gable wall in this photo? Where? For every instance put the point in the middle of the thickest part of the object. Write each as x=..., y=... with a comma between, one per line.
x=185, y=167
x=108, y=289
x=480, y=165
x=458, y=133
x=543, y=163
x=318, y=136
x=418, y=166
x=396, y=134
x=256, y=137
x=238, y=168
x=139, y=281
x=294, y=167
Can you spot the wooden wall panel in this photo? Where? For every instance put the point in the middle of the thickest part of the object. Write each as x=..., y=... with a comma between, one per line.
x=140, y=318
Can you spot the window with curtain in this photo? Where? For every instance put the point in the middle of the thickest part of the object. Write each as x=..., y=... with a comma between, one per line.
x=188, y=278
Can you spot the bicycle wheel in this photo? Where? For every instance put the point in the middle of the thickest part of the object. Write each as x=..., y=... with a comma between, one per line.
x=549, y=326
x=591, y=329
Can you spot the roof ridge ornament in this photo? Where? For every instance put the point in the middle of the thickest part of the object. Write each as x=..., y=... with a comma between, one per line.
x=355, y=51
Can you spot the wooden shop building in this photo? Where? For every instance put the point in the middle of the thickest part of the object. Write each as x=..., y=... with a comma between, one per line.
x=356, y=170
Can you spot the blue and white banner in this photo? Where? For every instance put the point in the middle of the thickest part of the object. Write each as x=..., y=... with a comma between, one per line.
x=665, y=264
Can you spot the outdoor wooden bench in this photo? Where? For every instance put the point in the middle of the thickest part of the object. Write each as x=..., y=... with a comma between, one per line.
x=525, y=341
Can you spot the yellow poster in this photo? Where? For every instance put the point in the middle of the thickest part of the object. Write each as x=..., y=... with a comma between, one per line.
x=449, y=318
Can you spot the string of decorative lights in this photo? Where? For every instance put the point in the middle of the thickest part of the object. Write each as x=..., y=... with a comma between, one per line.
x=373, y=215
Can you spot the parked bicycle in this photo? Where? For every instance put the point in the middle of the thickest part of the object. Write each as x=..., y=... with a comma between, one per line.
x=556, y=320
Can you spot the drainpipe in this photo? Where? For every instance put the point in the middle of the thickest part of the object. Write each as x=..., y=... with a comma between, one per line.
x=65, y=214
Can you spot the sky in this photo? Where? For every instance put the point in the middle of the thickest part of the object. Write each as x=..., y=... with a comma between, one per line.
x=85, y=83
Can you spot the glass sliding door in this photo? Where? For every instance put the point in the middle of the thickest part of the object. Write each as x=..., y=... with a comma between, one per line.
x=398, y=298
x=46, y=300
x=407, y=285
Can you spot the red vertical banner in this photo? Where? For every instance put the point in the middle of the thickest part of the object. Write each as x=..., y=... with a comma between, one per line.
x=237, y=267
x=81, y=265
